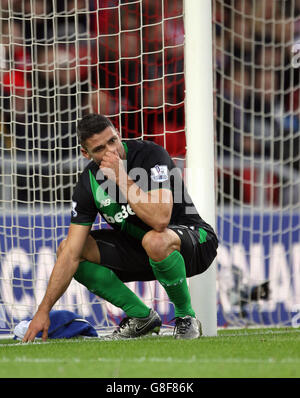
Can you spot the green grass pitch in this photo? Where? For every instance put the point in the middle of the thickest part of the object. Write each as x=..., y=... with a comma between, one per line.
x=244, y=353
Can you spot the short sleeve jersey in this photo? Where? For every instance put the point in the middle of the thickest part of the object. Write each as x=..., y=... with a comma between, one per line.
x=150, y=167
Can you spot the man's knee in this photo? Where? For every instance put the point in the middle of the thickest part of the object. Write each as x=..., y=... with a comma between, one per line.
x=160, y=245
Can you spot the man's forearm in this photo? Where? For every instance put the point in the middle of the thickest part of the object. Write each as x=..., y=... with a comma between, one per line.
x=154, y=208
x=60, y=279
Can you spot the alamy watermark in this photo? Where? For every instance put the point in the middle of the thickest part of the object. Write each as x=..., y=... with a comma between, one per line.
x=146, y=185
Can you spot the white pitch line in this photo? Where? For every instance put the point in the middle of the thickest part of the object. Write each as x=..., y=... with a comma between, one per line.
x=107, y=338
x=193, y=359
x=204, y=360
x=262, y=333
x=49, y=341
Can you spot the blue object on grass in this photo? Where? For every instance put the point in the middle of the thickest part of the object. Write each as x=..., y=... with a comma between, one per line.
x=63, y=325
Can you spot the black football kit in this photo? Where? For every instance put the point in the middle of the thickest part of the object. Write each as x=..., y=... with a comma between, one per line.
x=150, y=167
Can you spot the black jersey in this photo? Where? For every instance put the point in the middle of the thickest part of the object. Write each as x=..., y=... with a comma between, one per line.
x=150, y=167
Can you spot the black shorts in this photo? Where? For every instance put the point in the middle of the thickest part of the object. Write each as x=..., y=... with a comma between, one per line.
x=128, y=259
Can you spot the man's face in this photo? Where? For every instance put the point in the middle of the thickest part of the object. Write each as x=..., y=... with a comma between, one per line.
x=96, y=146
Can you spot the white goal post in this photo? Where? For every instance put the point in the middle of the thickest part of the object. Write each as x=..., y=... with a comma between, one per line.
x=200, y=159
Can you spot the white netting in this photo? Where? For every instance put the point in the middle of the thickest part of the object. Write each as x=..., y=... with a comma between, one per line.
x=59, y=61
x=257, y=83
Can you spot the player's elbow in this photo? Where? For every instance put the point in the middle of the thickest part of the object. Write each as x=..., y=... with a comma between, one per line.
x=161, y=222
x=163, y=211
x=159, y=227
x=65, y=250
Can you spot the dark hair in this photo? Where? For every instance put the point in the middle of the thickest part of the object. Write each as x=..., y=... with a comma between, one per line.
x=91, y=124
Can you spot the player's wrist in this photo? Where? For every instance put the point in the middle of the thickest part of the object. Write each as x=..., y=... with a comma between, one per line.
x=44, y=308
x=123, y=180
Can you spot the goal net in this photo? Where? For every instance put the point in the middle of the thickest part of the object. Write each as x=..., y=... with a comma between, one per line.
x=257, y=85
x=125, y=59
x=58, y=62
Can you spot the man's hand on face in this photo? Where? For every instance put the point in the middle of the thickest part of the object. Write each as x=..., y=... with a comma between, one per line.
x=112, y=166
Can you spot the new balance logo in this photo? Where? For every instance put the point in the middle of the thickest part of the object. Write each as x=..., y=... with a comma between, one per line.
x=105, y=202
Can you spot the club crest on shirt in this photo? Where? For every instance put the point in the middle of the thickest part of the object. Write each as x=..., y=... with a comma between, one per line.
x=159, y=173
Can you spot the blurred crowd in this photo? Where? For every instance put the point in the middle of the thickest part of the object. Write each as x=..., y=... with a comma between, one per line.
x=125, y=59
x=60, y=62
x=257, y=83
